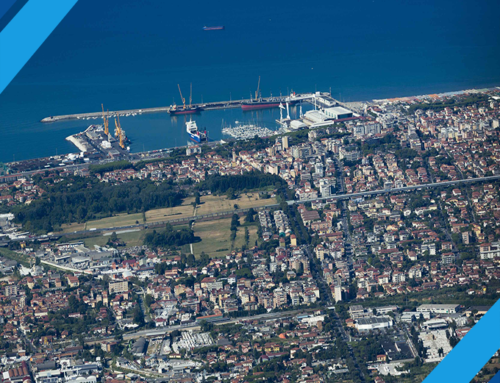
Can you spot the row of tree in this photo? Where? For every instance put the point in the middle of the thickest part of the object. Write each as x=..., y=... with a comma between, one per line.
x=80, y=200
x=169, y=237
x=248, y=181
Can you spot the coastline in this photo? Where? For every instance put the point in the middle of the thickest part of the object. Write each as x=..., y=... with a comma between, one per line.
x=81, y=147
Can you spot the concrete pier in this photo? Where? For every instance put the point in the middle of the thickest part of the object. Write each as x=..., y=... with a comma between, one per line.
x=162, y=109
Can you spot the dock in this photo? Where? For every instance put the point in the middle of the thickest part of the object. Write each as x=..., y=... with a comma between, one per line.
x=306, y=97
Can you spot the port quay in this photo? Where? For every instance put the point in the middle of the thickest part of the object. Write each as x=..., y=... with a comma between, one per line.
x=97, y=144
x=321, y=99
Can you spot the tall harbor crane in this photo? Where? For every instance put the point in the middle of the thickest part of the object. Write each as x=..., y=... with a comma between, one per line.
x=105, y=121
x=190, y=94
x=182, y=98
x=257, y=91
x=119, y=132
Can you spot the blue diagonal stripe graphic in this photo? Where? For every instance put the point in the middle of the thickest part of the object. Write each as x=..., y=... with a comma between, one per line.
x=471, y=354
x=20, y=39
x=5, y=6
x=496, y=378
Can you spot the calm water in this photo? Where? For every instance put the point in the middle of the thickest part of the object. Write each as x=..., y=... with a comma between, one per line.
x=127, y=54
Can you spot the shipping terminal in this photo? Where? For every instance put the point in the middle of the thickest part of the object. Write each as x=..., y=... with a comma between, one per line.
x=98, y=143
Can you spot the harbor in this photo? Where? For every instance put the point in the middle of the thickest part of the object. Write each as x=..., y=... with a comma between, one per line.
x=199, y=107
x=297, y=111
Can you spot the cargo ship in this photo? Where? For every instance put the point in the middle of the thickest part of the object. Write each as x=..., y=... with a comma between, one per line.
x=218, y=28
x=185, y=109
x=263, y=104
x=194, y=133
x=175, y=110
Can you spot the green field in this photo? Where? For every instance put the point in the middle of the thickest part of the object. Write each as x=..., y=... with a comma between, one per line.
x=169, y=213
x=116, y=221
x=209, y=204
x=135, y=238
x=216, y=237
x=215, y=204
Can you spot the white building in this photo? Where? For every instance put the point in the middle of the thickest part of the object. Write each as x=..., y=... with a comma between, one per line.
x=438, y=308
x=337, y=113
x=374, y=323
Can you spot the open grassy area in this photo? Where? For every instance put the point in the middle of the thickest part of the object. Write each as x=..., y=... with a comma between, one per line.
x=71, y=227
x=168, y=213
x=215, y=204
x=116, y=221
x=156, y=215
x=240, y=236
x=210, y=204
x=215, y=235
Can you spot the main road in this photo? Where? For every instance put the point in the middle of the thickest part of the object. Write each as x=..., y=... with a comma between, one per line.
x=196, y=326
x=397, y=190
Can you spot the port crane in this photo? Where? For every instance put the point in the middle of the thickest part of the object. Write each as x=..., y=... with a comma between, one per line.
x=105, y=121
x=190, y=94
x=119, y=132
x=182, y=98
x=257, y=91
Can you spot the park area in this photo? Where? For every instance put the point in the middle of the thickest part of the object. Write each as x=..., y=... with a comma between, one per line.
x=208, y=205
x=216, y=237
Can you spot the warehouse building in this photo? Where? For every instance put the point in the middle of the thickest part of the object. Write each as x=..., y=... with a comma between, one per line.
x=439, y=308
x=337, y=113
x=374, y=323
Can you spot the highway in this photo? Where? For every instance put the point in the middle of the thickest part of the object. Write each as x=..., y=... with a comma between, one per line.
x=397, y=190
x=168, y=329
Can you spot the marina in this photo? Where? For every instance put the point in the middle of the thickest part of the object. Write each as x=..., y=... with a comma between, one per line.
x=97, y=139
x=246, y=132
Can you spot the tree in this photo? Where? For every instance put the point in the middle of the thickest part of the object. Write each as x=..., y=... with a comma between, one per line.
x=230, y=193
x=440, y=351
x=148, y=300
x=190, y=260
x=249, y=217
x=138, y=315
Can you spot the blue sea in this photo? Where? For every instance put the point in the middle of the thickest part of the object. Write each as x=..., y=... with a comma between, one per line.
x=131, y=54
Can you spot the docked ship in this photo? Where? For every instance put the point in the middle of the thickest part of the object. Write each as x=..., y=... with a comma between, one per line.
x=259, y=103
x=269, y=103
x=194, y=133
x=175, y=110
x=218, y=28
x=185, y=109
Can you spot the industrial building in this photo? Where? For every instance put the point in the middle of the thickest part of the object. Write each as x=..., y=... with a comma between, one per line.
x=435, y=324
x=139, y=347
x=407, y=316
x=439, y=308
x=374, y=323
x=337, y=113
